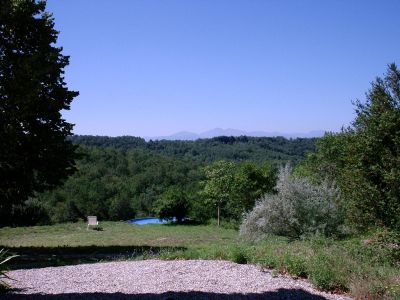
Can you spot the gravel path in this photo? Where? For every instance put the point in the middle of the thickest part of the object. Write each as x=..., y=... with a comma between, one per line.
x=157, y=279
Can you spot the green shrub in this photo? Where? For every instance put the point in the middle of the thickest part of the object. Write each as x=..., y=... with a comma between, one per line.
x=295, y=265
x=325, y=273
x=224, y=223
x=181, y=254
x=239, y=255
x=270, y=261
x=384, y=248
x=173, y=203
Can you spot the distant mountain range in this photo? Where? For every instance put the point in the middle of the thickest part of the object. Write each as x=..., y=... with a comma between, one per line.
x=190, y=136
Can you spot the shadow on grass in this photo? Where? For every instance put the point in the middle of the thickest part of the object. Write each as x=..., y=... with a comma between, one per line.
x=184, y=222
x=279, y=294
x=38, y=257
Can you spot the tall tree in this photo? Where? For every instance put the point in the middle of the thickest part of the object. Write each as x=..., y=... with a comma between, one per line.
x=34, y=152
x=219, y=184
x=364, y=159
x=376, y=150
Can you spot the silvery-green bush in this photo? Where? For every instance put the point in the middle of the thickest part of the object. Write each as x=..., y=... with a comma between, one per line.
x=299, y=209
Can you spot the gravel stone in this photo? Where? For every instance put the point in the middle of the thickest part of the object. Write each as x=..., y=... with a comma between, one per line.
x=157, y=279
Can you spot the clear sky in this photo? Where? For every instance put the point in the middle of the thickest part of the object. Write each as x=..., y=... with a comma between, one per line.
x=151, y=68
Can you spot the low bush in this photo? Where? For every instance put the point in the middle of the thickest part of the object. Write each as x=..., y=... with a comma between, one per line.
x=299, y=209
x=239, y=255
x=325, y=272
x=4, y=257
x=383, y=248
x=224, y=223
x=351, y=265
x=295, y=265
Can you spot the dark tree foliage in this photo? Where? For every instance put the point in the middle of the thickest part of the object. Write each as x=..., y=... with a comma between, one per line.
x=260, y=149
x=34, y=153
x=173, y=203
x=120, y=142
x=118, y=185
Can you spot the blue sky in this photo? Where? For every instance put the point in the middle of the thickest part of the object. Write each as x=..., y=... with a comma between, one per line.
x=151, y=68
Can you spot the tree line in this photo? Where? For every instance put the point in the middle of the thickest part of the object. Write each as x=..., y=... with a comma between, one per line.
x=260, y=149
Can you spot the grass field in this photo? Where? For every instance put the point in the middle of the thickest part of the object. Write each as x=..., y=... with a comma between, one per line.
x=115, y=234
x=366, y=267
x=72, y=243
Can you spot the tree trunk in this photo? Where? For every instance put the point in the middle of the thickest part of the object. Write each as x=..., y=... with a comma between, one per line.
x=218, y=213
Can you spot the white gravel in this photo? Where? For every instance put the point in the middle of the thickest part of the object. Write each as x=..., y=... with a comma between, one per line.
x=157, y=279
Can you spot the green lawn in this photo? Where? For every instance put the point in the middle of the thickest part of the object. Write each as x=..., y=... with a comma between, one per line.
x=116, y=234
x=367, y=267
x=72, y=243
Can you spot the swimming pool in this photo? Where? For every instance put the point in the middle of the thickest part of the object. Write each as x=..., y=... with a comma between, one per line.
x=144, y=221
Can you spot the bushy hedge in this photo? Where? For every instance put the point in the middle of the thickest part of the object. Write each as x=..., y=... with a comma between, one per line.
x=300, y=208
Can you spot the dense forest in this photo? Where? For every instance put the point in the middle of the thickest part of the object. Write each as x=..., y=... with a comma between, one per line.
x=260, y=149
x=119, y=178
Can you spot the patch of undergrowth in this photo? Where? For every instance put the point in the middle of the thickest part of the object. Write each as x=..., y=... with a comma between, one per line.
x=4, y=258
x=365, y=267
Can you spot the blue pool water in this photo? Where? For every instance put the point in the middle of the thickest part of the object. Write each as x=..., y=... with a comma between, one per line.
x=143, y=221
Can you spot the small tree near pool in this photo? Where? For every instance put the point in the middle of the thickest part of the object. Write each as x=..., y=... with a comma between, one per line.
x=173, y=203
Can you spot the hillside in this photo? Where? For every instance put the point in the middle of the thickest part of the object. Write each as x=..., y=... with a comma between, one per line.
x=260, y=149
x=118, y=178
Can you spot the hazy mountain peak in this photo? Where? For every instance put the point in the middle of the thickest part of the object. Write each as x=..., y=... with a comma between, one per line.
x=187, y=135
